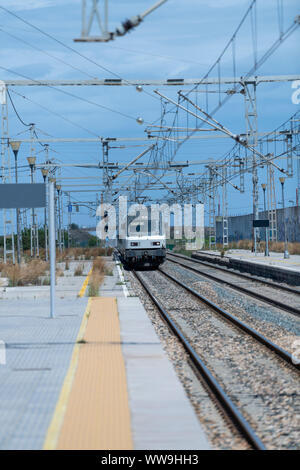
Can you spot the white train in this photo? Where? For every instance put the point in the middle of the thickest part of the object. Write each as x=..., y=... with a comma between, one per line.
x=142, y=251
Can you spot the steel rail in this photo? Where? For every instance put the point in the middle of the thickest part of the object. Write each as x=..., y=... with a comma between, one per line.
x=285, y=355
x=243, y=275
x=231, y=410
x=244, y=290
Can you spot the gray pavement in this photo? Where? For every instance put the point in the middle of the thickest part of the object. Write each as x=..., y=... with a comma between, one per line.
x=38, y=353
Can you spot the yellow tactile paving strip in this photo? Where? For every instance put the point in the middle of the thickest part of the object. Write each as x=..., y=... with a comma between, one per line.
x=97, y=414
x=85, y=284
x=58, y=416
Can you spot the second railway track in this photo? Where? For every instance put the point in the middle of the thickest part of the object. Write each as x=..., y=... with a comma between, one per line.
x=272, y=290
x=235, y=413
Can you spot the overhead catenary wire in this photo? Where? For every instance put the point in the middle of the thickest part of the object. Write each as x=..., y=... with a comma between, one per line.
x=72, y=95
x=56, y=114
x=256, y=65
x=47, y=53
x=15, y=110
x=58, y=41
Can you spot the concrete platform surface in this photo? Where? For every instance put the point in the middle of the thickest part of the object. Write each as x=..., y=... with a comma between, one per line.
x=38, y=353
x=162, y=416
x=41, y=352
x=275, y=259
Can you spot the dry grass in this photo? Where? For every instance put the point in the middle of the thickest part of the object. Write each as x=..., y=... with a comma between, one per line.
x=24, y=275
x=59, y=273
x=95, y=282
x=97, y=276
x=84, y=253
x=277, y=247
x=79, y=270
x=294, y=248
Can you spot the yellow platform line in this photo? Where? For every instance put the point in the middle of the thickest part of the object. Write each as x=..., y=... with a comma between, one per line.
x=98, y=415
x=61, y=406
x=85, y=284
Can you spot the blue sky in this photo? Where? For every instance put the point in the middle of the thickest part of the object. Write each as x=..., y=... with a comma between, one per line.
x=179, y=40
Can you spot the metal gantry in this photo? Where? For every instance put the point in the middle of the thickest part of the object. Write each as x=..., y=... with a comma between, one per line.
x=34, y=229
x=272, y=205
x=224, y=207
x=98, y=10
x=185, y=189
x=8, y=217
x=170, y=82
x=212, y=208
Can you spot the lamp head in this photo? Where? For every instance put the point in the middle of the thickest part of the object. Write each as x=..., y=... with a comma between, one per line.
x=45, y=172
x=31, y=161
x=15, y=146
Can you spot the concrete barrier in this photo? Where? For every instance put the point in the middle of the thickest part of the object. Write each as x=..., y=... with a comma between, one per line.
x=260, y=270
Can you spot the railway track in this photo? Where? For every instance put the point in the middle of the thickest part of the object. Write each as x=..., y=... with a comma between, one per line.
x=250, y=277
x=232, y=411
x=187, y=263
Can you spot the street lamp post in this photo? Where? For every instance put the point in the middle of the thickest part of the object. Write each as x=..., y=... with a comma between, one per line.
x=53, y=180
x=58, y=188
x=15, y=146
x=264, y=187
x=33, y=241
x=45, y=172
x=286, y=251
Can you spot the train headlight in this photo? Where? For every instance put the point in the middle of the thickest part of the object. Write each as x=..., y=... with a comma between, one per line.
x=134, y=244
x=156, y=243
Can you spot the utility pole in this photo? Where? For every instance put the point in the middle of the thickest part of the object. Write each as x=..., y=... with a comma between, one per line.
x=34, y=236
x=69, y=220
x=58, y=189
x=212, y=209
x=225, y=207
x=289, y=149
x=52, y=247
x=251, y=133
x=107, y=176
x=52, y=179
x=8, y=228
x=264, y=187
x=286, y=251
x=15, y=146
x=272, y=206
x=45, y=172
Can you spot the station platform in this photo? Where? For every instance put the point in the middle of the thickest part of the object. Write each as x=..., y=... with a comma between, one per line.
x=273, y=266
x=93, y=378
x=275, y=259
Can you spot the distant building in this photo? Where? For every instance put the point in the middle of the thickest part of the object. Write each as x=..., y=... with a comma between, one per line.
x=240, y=227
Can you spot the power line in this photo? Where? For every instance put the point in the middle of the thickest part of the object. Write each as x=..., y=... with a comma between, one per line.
x=68, y=47
x=56, y=114
x=150, y=54
x=46, y=53
x=93, y=103
x=17, y=114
